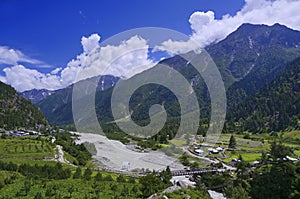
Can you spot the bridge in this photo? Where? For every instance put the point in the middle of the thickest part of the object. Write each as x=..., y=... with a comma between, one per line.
x=196, y=171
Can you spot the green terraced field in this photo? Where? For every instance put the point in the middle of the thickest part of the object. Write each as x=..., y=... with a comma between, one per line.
x=32, y=149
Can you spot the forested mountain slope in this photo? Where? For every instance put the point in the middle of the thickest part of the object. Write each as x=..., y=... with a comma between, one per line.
x=15, y=111
x=274, y=107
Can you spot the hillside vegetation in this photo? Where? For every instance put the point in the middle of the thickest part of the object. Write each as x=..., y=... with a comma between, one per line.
x=275, y=107
x=16, y=112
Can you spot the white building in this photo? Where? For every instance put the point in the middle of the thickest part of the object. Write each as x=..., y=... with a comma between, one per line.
x=199, y=152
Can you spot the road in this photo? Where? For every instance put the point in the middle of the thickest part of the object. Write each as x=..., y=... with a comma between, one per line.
x=199, y=157
x=227, y=167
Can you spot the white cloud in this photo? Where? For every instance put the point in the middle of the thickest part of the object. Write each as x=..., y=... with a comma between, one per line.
x=11, y=57
x=200, y=19
x=90, y=43
x=206, y=29
x=176, y=47
x=22, y=78
x=55, y=71
x=124, y=60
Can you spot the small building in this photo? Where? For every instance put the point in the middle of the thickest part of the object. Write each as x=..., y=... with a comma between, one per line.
x=11, y=133
x=21, y=133
x=213, y=151
x=204, y=145
x=255, y=163
x=199, y=152
x=34, y=132
x=291, y=159
x=233, y=161
x=187, y=168
x=219, y=148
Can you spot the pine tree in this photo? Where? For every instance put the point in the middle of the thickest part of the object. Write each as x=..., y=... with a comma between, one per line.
x=87, y=174
x=232, y=142
x=98, y=177
x=77, y=173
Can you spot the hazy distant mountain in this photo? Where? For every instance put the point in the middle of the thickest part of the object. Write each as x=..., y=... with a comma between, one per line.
x=53, y=105
x=36, y=95
x=15, y=111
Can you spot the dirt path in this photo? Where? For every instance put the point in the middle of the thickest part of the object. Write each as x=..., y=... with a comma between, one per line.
x=61, y=156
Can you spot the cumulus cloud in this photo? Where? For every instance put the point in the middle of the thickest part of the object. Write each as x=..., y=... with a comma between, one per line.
x=11, y=57
x=200, y=19
x=55, y=71
x=23, y=78
x=206, y=29
x=176, y=47
x=124, y=60
x=90, y=43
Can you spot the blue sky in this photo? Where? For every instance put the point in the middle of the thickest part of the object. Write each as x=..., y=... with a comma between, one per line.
x=38, y=39
x=51, y=30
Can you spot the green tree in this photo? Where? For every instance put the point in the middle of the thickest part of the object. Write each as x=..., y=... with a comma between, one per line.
x=77, y=173
x=121, y=178
x=166, y=175
x=232, y=142
x=108, y=178
x=278, y=178
x=242, y=170
x=279, y=151
x=97, y=190
x=184, y=159
x=274, y=181
x=71, y=190
x=98, y=177
x=27, y=186
x=236, y=192
x=150, y=184
x=87, y=174
x=38, y=196
x=134, y=189
x=114, y=188
x=51, y=191
x=131, y=180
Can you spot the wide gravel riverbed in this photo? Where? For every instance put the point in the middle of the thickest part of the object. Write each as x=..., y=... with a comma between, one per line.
x=115, y=155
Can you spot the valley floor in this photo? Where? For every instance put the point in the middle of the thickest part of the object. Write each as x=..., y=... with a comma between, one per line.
x=109, y=176
x=114, y=155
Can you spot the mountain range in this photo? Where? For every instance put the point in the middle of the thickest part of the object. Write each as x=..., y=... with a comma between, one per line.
x=250, y=60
